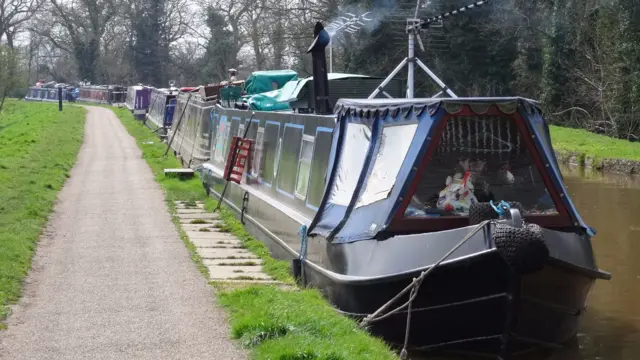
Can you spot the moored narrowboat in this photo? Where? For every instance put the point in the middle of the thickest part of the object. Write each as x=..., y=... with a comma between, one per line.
x=441, y=223
x=162, y=107
x=138, y=99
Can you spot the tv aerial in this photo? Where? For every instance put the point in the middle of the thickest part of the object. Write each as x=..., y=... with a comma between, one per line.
x=414, y=26
x=347, y=22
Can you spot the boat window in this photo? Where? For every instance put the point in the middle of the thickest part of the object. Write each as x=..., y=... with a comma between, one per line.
x=319, y=164
x=289, y=153
x=394, y=145
x=253, y=130
x=257, y=154
x=479, y=159
x=304, y=166
x=354, y=151
x=233, y=130
x=270, y=149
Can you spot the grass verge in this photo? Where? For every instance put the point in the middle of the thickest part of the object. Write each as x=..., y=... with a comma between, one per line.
x=587, y=144
x=38, y=148
x=274, y=323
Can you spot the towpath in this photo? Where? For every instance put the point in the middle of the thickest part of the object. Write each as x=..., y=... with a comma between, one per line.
x=111, y=278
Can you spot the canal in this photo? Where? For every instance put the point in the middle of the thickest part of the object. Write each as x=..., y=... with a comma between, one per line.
x=610, y=329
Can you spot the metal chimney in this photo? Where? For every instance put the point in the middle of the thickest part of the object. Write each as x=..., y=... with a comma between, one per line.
x=319, y=64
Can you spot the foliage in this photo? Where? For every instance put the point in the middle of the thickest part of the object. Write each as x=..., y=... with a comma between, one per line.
x=38, y=147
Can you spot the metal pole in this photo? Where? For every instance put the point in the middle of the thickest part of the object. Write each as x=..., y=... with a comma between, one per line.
x=60, y=99
x=330, y=56
x=437, y=80
x=411, y=64
x=388, y=79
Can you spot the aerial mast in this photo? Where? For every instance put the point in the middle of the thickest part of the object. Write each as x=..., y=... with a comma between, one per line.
x=413, y=28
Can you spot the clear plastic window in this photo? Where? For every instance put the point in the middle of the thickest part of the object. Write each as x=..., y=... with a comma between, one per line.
x=393, y=148
x=354, y=151
x=479, y=159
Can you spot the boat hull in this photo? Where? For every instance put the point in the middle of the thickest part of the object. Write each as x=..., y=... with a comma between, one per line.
x=475, y=305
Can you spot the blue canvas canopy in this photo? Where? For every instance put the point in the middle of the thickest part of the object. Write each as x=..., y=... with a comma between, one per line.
x=378, y=150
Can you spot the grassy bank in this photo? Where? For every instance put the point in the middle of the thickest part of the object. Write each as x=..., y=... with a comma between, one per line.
x=274, y=323
x=38, y=148
x=587, y=144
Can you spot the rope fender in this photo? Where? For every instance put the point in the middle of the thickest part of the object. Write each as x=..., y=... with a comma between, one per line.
x=522, y=248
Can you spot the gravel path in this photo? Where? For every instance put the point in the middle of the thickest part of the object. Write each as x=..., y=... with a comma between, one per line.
x=111, y=278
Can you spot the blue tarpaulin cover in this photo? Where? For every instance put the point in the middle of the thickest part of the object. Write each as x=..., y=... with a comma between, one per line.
x=367, y=177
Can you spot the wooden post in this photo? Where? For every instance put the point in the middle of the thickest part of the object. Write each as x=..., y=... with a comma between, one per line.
x=60, y=98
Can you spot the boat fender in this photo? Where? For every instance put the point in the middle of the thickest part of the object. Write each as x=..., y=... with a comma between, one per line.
x=522, y=248
x=479, y=212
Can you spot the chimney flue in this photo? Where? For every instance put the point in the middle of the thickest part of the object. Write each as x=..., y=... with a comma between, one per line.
x=319, y=64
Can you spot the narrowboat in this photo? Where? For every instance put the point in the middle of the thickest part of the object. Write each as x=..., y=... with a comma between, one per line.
x=103, y=94
x=367, y=199
x=48, y=92
x=137, y=102
x=162, y=107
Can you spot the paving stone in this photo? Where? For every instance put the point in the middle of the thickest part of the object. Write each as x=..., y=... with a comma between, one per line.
x=213, y=235
x=204, y=216
x=197, y=227
x=230, y=262
x=214, y=253
x=210, y=243
x=230, y=273
x=181, y=211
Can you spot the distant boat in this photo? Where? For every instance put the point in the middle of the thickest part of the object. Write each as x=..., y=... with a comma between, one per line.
x=137, y=101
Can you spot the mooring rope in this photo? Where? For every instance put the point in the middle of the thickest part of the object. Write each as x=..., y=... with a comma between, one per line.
x=414, y=288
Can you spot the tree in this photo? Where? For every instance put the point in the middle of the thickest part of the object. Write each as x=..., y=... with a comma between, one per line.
x=9, y=77
x=77, y=28
x=13, y=14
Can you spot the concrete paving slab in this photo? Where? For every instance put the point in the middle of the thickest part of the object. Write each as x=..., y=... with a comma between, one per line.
x=210, y=243
x=205, y=216
x=208, y=253
x=111, y=278
x=230, y=262
x=212, y=235
x=237, y=273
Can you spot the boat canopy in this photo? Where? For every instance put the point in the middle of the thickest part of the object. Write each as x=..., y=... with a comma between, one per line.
x=263, y=81
x=416, y=165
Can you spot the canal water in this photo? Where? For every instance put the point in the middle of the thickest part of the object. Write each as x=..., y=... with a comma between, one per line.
x=610, y=329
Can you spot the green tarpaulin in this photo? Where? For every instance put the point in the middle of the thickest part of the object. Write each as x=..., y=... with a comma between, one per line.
x=265, y=81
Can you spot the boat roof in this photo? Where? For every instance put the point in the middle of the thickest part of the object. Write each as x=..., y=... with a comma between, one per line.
x=392, y=104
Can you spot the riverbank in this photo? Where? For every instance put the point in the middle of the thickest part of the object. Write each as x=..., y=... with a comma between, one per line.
x=274, y=323
x=38, y=148
x=602, y=153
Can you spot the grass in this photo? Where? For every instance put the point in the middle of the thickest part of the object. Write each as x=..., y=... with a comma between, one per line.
x=587, y=144
x=38, y=148
x=297, y=325
x=274, y=323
